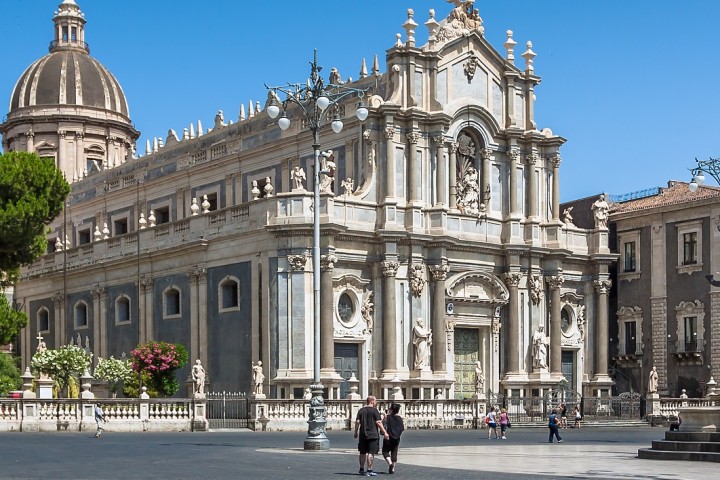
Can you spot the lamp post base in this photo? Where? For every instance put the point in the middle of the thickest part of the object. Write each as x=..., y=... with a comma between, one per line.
x=316, y=437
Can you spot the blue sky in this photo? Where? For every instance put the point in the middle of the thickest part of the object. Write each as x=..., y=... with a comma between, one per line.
x=632, y=85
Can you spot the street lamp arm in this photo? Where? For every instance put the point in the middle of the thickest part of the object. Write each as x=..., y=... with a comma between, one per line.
x=710, y=166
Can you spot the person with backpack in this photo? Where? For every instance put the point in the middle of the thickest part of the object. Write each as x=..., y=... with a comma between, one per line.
x=394, y=427
x=491, y=421
x=553, y=422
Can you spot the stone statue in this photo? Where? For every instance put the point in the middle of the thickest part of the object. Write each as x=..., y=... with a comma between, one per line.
x=422, y=339
x=298, y=177
x=258, y=378
x=540, y=343
x=653, y=381
x=348, y=184
x=479, y=378
x=567, y=216
x=536, y=289
x=601, y=208
x=198, y=376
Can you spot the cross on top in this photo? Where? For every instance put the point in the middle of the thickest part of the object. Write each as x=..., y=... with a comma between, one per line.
x=39, y=338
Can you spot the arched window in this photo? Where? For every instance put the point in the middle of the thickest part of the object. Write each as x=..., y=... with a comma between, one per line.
x=229, y=294
x=43, y=320
x=81, y=315
x=171, y=302
x=122, y=310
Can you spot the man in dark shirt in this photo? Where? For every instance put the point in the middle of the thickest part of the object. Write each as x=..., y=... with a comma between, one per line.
x=368, y=423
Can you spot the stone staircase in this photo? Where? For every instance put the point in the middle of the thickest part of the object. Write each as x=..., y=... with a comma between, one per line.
x=697, y=446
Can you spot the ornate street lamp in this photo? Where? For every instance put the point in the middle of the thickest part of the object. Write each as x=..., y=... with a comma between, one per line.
x=711, y=167
x=317, y=103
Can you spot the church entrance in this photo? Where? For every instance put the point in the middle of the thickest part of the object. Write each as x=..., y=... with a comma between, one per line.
x=467, y=347
x=346, y=364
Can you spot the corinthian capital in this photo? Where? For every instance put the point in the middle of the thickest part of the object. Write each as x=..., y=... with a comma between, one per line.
x=439, y=272
x=487, y=153
x=327, y=262
x=390, y=268
x=389, y=132
x=512, y=279
x=555, y=281
x=413, y=137
x=602, y=286
x=514, y=154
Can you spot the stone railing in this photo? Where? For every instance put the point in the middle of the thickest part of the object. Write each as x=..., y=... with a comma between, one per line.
x=288, y=415
x=669, y=406
x=122, y=415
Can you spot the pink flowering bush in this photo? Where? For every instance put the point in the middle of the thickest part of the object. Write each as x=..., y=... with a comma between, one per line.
x=159, y=360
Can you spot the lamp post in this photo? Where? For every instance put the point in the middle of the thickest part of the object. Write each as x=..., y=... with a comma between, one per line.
x=710, y=166
x=315, y=102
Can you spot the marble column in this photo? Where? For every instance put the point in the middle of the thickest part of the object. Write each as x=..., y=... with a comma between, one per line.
x=512, y=280
x=389, y=341
x=532, y=160
x=59, y=317
x=79, y=157
x=555, y=282
x=327, y=338
x=555, y=160
x=389, y=162
x=413, y=168
x=602, y=287
x=486, y=154
x=441, y=178
x=452, y=148
x=439, y=275
x=30, y=141
x=514, y=154
x=194, y=276
x=146, y=310
x=99, y=295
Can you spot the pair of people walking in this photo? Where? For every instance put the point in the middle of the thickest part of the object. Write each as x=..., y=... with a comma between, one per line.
x=495, y=418
x=368, y=426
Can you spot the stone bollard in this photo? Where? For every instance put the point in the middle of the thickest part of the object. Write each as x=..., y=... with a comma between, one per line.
x=27, y=384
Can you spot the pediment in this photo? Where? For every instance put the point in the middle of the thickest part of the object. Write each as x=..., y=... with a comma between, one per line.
x=477, y=287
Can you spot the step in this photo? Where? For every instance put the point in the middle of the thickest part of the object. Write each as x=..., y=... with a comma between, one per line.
x=672, y=446
x=650, y=454
x=682, y=436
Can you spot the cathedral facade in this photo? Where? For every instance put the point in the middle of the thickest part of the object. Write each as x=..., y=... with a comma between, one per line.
x=446, y=263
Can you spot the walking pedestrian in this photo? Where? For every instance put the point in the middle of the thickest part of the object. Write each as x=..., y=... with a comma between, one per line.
x=491, y=421
x=99, y=417
x=504, y=423
x=578, y=416
x=367, y=424
x=563, y=416
x=394, y=427
x=553, y=426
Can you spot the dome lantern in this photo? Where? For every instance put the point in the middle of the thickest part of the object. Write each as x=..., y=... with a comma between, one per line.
x=69, y=28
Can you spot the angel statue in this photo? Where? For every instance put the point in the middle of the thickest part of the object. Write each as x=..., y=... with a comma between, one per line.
x=297, y=175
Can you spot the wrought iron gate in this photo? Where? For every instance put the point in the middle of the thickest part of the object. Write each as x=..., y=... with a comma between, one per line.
x=228, y=410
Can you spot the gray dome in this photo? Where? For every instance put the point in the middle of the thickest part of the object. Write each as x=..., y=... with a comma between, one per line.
x=69, y=77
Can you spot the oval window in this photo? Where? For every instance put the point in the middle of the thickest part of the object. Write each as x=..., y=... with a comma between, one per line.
x=346, y=308
x=565, y=321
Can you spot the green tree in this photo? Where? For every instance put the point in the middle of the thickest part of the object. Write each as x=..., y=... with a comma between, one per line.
x=9, y=374
x=62, y=364
x=32, y=194
x=11, y=321
x=113, y=370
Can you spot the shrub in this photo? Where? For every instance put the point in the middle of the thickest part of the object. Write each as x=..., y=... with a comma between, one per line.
x=160, y=360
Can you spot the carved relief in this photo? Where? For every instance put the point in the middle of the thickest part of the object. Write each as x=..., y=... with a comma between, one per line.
x=478, y=287
x=535, y=285
x=389, y=132
x=297, y=262
x=602, y=286
x=471, y=66
x=512, y=279
x=450, y=333
x=367, y=310
x=417, y=280
x=463, y=19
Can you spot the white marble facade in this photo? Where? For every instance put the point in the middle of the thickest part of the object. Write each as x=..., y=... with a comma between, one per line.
x=452, y=217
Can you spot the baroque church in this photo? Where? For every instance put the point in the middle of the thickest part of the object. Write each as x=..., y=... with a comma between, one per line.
x=446, y=263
